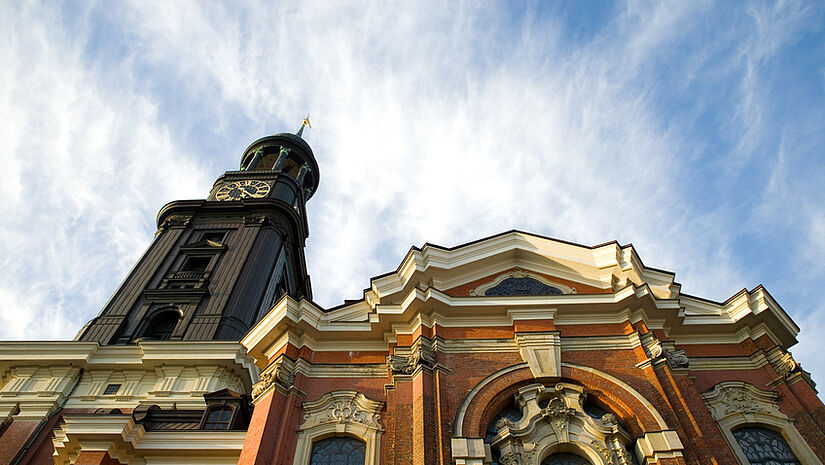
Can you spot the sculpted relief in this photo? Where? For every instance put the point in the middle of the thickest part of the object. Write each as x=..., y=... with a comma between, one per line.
x=554, y=419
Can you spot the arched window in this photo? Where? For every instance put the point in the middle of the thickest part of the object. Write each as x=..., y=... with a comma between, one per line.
x=219, y=418
x=319, y=438
x=764, y=446
x=754, y=427
x=522, y=286
x=162, y=325
x=338, y=451
x=565, y=458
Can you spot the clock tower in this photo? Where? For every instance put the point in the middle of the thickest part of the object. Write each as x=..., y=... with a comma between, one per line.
x=216, y=266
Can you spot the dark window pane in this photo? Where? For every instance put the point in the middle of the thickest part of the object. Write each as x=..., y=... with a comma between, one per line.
x=763, y=446
x=218, y=418
x=522, y=286
x=196, y=264
x=510, y=412
x=338, y=451
x=111, y=389
x=565, y=459
x=162, y=325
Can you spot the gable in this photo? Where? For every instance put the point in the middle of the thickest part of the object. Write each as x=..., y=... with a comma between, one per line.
x=523, y=282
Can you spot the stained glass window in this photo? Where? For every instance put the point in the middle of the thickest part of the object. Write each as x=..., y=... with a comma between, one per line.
x=763, y=446
x=522, y=286
x=338, y=451
x=565, y=459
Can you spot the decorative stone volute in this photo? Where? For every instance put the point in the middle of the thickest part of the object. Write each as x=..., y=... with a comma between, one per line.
x=652, y=345
x=677, y=359
x=407, y=360
x=280, y=375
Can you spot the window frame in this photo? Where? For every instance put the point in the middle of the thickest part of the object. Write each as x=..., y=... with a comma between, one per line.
x=758, y=409
x=341, y=413
x=144, y=334
x=228, y=423
x=348, y=436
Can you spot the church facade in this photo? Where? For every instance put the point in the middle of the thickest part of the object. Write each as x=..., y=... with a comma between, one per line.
x=514, y=349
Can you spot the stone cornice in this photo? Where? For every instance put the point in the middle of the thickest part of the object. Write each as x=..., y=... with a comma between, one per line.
x=609, y=266
x=304, y=323
x=143, y=355
x=130, y=443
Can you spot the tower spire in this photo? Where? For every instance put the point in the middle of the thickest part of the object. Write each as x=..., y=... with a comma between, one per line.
x=304, y=122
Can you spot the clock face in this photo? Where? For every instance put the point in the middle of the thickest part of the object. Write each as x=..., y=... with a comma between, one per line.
x=242, y=190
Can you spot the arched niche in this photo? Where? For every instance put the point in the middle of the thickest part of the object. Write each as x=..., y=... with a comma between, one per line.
x=646, y=431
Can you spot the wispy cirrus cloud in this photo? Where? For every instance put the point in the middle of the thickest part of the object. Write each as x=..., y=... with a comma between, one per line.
x=671, y=125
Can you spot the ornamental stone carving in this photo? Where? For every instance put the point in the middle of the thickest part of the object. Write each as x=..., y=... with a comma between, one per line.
x=280, y=374
x=407, y=360
x=342, y=407
x=555, y=415
x=784, y=364
x=176, y=222
x=257, y=220
x=558, y=413
x=737, y=397
x=623, y=455
x=604, y=451
x=677, y=359
x=608, y=419
x=652, y=345
x=346, y=411
x=511, y=458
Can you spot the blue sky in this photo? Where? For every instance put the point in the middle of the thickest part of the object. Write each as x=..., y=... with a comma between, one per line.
x=694, y=130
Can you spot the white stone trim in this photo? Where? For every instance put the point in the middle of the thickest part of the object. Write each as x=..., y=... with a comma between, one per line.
x=653, y=447
x=341, y=370
x=468, y=451
x=123, y=440
x=341, y=413
x=34, y=392
x=560, y=426
x=542, y=352
x=755, y=361
x=620, y=342
x=302, y=323
x=458, y=425
x=737, y=403
x=636, y=394
x=39, y=376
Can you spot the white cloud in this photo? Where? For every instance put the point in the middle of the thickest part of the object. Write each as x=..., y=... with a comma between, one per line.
x=87, y=167
x=441, y=123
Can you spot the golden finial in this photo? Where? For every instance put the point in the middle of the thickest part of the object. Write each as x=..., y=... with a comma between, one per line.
x=304, y=122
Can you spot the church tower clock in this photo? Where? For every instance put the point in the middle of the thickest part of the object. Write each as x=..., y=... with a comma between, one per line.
x=216, y=266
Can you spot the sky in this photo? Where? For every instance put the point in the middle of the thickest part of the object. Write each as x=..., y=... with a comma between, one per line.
x=694, y=130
